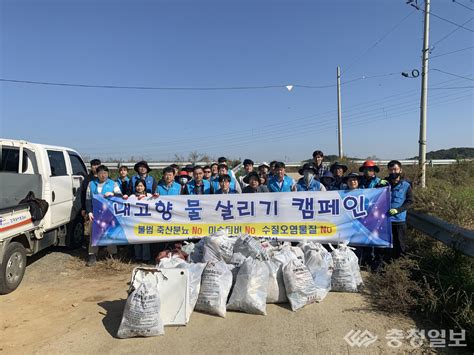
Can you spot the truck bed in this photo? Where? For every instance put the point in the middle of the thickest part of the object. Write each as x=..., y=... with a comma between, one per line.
x=14, y=188
x=15, y=220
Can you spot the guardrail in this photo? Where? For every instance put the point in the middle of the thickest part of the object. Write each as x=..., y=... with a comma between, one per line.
x=163, y=164
x=454, y=236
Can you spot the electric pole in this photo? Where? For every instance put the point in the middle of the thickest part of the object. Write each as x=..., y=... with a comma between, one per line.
x=339, y=114
x=424, y=95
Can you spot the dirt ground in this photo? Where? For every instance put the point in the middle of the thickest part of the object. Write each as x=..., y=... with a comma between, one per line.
x=64, y=307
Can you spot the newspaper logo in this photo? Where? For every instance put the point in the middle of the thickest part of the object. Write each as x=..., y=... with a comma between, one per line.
x=360, y=338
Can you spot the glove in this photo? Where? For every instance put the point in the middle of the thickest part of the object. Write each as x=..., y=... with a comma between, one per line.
x=383, y=182
x=156, y=195
x=91, y=216
x=393, y=211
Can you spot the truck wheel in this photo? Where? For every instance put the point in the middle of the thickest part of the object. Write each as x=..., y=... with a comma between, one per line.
x=12, y=268
x=75, y=233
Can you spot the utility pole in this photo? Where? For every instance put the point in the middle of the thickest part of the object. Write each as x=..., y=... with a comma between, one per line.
x=424, y=96
x=339, y=114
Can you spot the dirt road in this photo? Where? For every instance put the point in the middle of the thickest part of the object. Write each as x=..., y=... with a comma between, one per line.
x=64, y=307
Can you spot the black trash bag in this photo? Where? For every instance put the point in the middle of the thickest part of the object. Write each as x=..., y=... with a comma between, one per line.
x=38, y=207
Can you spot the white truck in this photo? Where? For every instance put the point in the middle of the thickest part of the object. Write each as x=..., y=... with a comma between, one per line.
x=55, y=175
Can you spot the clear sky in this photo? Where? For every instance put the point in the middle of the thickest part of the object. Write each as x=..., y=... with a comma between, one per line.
x=233, y=44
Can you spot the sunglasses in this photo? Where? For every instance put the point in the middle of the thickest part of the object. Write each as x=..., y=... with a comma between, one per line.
x=207, y=171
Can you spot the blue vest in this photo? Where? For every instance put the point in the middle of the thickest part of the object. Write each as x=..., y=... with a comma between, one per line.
x=398, y=196
x=231, y=191
x=123, y=184
x=174, y=189
x=192, y=184
x=215, y=184
x=107, y=187
x=370, y=184
x=314, y=185
x=148, y=181
x=285, y=186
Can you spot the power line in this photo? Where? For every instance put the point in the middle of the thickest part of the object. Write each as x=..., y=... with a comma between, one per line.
x=450, y=33
x=453, y=88
x=356, y=59
x=456, y=51
x=456, y=75
x=31, y=82
x=460, y=4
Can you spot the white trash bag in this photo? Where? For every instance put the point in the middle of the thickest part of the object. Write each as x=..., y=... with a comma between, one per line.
x=218, y=247
x=320, y=265
x=250, y=290
x=275, y=291
x=141, y=316
x=346, y=275
x=216, y=282
x=299, y=284
x=194, y=281
x=170, y=262
x=281, y=258
x=250, y=246
x=236, y=261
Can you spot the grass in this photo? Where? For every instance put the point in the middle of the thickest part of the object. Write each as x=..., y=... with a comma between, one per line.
x=433, y=280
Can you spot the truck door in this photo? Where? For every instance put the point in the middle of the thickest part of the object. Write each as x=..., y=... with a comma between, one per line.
x=79, y=171
x=61, y=188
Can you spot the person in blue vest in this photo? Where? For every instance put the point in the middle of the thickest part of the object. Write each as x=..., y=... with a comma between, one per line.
x=224, y=185
x=280, y=182
x=100, y=186
x=168, y=185
x=223, y=160
x=143, y=171
x=207, y=172
x=401, y=201
x=223, y=170
x=328, y=180
x=369, y=179
x=123, y=180
x=309, y=180
x=198, y=186
x=338, y=170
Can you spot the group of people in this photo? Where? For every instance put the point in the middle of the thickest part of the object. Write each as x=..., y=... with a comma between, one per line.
x=219, y=178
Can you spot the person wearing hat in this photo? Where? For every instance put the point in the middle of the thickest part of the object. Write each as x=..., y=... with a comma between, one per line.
x=95, y=163
x=223, y=170
x=182, y=179
x=198, y=185
x=318, y=157
x=309, y=180
x=248, y=168
x=167, y=184
x=225, y=185
x=281, y=182
x=143, y=171
x=189, y=169
x=338, y=170
x=327, y=180
x=102, y=185
x=352, y=181
x=253, y=184
x=369, y=179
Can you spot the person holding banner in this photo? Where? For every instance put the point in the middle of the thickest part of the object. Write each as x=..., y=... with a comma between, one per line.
x=167, y=185
x=401, y=201
x=369, y=179
x=225, y=185
x=280, y=182
x=106, y=187
x=338, y=170
x=309, y=180
x=198, y=186
x=143, y=171
x=253, y=184
x=352, y=181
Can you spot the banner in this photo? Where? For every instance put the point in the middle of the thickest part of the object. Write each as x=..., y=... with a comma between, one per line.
x=358, y=217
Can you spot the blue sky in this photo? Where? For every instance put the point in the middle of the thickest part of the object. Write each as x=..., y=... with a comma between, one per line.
x=232, y=44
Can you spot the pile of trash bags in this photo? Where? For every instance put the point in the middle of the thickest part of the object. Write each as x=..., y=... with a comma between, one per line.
x=239, y=273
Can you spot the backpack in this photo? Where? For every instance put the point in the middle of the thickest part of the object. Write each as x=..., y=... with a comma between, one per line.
x=38, y=207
